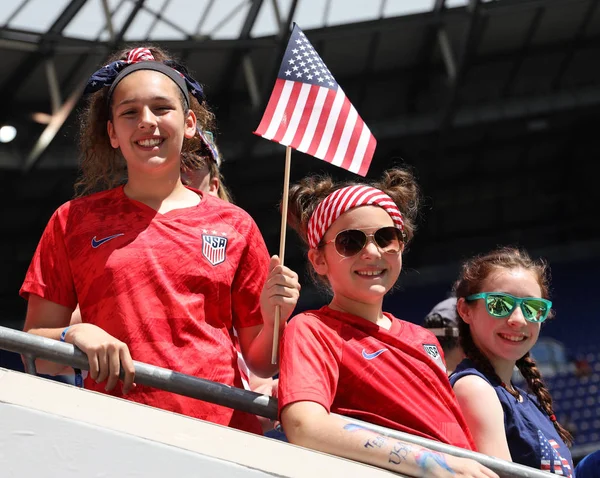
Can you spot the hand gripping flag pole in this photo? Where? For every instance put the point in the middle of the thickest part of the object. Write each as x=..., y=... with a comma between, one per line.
x=308, y=111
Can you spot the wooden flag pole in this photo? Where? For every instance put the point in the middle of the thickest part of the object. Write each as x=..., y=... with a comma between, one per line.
x=284, y=210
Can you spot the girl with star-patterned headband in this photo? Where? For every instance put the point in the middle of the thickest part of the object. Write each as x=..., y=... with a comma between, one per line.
x=162, y=272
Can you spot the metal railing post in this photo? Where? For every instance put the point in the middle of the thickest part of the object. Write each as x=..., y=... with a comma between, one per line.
x=29, y=364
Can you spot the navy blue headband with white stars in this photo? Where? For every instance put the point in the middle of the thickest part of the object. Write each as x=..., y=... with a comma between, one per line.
x=111, y=74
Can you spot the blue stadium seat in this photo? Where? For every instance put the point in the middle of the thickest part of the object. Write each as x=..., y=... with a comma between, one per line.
x=590, y=401
x=556, y=395
x=569, y=393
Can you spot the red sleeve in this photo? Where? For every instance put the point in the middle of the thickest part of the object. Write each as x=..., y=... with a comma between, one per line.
x=249, y=280
x=49, y=274
x=310, y=357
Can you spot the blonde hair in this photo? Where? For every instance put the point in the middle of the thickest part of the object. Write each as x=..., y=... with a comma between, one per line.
x=192, y=162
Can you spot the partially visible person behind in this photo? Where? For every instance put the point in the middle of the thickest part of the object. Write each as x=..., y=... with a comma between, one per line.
x=589, y=467
x=442, y=321
x=350, y=357
x=202, y=171
x=503, y=298
x=162, y=273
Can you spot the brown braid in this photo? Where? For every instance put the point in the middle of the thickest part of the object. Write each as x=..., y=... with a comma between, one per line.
x=536, y=385
x=474, y=272
x=482, y=363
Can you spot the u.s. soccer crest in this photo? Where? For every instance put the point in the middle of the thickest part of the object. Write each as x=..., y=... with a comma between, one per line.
x=214, y=248
x=431, y=350
x=434, y=353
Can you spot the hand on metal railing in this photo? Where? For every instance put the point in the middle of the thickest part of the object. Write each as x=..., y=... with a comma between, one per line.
x=34, y=346
x=107, y=356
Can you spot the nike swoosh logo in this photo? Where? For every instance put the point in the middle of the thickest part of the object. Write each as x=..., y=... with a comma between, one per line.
x=371, y=356
x=99, y=242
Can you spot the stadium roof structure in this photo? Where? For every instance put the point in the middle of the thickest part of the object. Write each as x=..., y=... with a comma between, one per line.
x=494, y=104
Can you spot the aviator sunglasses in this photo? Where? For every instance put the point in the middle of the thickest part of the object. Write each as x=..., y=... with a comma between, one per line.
x=350, y=242
x=501, y=305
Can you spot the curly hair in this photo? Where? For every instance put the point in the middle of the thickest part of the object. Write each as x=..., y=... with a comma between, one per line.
x=305, y=196
x=474, y=272
x=102, y=166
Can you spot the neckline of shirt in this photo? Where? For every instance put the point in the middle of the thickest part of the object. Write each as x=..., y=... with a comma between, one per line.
x=173, y=213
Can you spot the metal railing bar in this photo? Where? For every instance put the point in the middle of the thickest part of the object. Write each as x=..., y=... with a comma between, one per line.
x=33, y=346
x=149, y=375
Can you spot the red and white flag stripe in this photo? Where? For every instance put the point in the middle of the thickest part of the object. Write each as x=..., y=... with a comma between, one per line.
x=318, y=121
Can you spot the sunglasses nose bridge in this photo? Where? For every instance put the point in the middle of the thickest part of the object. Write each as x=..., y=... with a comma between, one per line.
x=517, y=317
x=370, y=239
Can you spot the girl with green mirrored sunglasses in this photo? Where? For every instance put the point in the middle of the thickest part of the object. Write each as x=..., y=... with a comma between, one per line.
x=501, y=305
x=508, y=420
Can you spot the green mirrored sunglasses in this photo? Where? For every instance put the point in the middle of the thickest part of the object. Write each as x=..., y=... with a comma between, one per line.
x=501, y=305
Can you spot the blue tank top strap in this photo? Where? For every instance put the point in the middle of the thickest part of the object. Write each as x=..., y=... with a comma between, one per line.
x=467, y=367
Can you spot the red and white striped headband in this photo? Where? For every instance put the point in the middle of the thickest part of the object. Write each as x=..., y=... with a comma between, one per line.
x=342, y=200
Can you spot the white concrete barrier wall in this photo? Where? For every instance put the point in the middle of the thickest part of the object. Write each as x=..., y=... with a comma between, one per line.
x=48, y=429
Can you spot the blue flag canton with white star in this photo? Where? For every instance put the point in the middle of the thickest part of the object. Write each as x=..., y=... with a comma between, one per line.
x=302, y=63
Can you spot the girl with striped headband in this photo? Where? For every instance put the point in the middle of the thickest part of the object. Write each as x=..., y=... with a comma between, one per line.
x=162, y=272
x=350, y=357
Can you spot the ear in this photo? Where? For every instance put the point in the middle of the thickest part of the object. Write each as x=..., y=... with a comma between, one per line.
x=317, y=260
x=190, y=125
x=464, y=310
x=213, y=186
x=110, y=128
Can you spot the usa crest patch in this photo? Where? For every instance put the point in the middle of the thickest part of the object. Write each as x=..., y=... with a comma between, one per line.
x=434, y=353
x=214, y=248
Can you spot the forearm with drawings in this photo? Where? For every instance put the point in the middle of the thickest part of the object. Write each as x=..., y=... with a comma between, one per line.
x=334, y=435
x=400, y=456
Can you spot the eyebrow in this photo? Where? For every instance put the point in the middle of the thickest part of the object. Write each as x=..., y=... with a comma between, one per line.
x=134, y=100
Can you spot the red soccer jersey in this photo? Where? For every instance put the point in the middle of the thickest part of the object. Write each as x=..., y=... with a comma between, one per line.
x=171, y=286
x=394, y=378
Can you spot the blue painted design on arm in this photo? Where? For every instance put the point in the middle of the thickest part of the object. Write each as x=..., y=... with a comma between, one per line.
x=423, y=456
x=351, y=427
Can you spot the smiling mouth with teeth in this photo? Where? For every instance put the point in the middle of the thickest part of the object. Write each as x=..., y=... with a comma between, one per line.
x=370, y=273
x=150, y=143
x=513, y=338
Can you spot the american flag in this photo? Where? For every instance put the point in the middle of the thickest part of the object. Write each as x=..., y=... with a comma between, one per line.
x=309, y=111
x=551, y=460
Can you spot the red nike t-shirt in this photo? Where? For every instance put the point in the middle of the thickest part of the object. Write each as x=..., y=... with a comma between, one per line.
x=393, y=378
x=171, y=286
